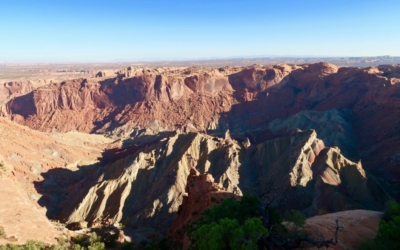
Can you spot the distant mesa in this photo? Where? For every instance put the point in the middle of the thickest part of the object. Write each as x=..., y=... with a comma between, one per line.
x=105, y=73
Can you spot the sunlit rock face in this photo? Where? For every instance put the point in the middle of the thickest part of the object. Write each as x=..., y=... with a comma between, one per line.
x=146, y=188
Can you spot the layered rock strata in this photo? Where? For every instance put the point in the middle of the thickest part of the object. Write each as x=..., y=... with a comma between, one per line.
x=242, y=99
x=146, y=188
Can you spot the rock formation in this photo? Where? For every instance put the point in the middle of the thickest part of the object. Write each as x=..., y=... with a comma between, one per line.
x=171, y=96
x=244, y=100
x=202, y=193
x=10, y=90
x=357, y=227
x=105, y=73
x=252, y=129
x=146, y=188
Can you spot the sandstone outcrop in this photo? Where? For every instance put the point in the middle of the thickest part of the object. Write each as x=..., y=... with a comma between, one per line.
x=173, y=97
x=243, y=100
x=357, y=227
x=105, y=73
x=146, y=188
x=202, y=193
x=10, y=90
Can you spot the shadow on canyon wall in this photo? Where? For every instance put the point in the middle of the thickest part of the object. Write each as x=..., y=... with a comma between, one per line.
x=342, y=117
x=54, y=187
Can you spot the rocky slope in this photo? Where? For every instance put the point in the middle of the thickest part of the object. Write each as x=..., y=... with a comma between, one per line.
x=145, y=189
x=246, y=100
x=201, y=194
x=25, y=158
x=20, y=217
x=357, y=227
x=10, y=90
x=137, y=96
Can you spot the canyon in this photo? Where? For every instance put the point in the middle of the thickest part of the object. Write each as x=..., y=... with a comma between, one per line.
x=136, y=145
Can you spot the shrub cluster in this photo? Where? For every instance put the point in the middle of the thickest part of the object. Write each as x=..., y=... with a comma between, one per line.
x=388, y=237
x=94, y=242
x=244, y=224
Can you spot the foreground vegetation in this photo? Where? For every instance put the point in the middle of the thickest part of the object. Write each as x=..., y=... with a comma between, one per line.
x=94, y=242
x=246, y=224
x=388, y=237
x=91, y=242
x=236, y=225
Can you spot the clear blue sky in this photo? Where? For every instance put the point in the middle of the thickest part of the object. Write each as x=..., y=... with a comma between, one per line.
x=91, y=31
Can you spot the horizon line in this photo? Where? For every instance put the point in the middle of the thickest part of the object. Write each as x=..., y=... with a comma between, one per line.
x=148, y=60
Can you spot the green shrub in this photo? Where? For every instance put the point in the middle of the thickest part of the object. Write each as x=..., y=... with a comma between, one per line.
x=94, y=243
x=295, y=217
x=245, y=224
x=79, y=240
x=63, y=244
x=77, y=247
x=228, y=234
x=231, y=224
x=97, y=246
x=29, y=245
x=392, y=211
x=241, y=210
x=388, y=236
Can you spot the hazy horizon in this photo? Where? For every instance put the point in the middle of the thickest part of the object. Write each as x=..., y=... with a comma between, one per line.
x=133, y=31
x=150, y=60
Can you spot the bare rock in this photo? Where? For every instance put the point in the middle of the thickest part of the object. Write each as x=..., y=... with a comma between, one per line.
x=357, y=226
x=202, y=193
x=105, y=74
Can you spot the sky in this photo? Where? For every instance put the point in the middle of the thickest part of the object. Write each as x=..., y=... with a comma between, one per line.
x=122, y=30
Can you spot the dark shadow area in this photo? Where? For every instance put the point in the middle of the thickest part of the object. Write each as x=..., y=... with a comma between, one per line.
x=251, y=119
x=124, y=91
x=109, y=120
x=120, y=92
x=353, y=192
x=22, y=105
x=62, y=185
x=266, y=180
x=153, y=185
x=113, y=96
x=218, y=159
x=374, y=128
x=63, y=190
x=54, y=188
x=265, y=174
